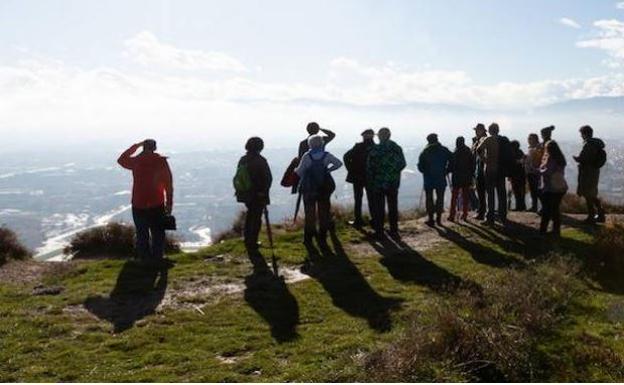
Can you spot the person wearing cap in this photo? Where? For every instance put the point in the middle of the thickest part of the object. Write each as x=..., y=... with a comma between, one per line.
x=152, y=198
x=383, y=177
x=480, y=135
x=590, y=160
x=313, y=128
x=257, y=198
x=433, y=163
x=355, y=162
x=494, y=171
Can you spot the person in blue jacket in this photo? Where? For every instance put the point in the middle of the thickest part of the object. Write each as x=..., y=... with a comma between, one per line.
x=433, y=164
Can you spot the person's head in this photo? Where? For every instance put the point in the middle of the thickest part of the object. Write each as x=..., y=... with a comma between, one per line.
x=383, y=134
x=493, y=129
x=254, y=144
x=554, y=151
x=432, y=138
x=533, y=140
x=515, y=145
x=368, y=134
x=149, y=145
x=480, y=130
x=315, y=142
x=547, y=133
x=313, y=128
x=586, y=132
x=460, y=141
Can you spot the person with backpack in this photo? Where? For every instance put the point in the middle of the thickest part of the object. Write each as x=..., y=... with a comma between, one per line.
x=532, y=163
x=461, y=167
x=252, y=183
x=433, y=164
x=316, y=186
x=517, y=176
x=152, y=198
x=480, y=135
x=355, y=162
x=591, y=159
x=495, y=152
x=383, y=176
x=553, y=186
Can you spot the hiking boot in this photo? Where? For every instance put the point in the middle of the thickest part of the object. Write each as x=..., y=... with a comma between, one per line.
x=394, y=234
x=430, y=223
x=356, y=224
x=439, y=219
x=600, y=218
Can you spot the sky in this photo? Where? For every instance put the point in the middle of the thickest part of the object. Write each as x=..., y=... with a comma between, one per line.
x=208, y=74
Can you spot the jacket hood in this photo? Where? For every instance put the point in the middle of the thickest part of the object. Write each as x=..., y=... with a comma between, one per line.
x=596, y=142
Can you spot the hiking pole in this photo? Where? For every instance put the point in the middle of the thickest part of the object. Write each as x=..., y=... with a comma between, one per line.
x=270, y=236
x=297, y=207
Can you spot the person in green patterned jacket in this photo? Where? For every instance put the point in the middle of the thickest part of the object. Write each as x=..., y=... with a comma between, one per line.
x=383, y=176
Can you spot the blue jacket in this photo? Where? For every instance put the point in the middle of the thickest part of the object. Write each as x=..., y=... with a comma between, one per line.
x=433, y=163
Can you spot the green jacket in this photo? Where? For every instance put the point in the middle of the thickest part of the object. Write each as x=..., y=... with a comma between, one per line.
x=384, y=165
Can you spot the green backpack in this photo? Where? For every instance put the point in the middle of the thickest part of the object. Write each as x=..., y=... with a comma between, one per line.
x=242, y=183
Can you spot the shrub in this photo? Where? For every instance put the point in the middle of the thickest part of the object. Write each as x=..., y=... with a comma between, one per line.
x=112, y=240
x=606, y=259
x=11, y=247
x=489, y=335
x=235, y=230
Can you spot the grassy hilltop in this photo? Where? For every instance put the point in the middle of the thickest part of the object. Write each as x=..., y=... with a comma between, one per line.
x=459, y=303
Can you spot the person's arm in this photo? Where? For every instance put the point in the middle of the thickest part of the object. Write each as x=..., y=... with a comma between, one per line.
x=125, y=159
x=348, y=158
x=333, y=163
x=168, y=187
x=329, y=135
x=421, y=162
x=402, y=162
x=303, y=166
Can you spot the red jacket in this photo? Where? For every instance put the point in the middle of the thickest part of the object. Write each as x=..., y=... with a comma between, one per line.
x=153, y=183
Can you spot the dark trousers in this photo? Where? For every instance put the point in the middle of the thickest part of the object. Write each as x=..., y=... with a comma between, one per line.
x=496, y=191
x=358, y=196
x=150, y=233
x=465, y=196
x=534, y=180
x=317, y=210
x=481, y=194
x=435, y=206
x=594, y=206
x=253, y=224
x=551, y=211
x=381, y=197
x=518, y=185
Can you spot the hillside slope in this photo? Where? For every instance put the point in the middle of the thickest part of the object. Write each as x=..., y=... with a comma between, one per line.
x=209, y=319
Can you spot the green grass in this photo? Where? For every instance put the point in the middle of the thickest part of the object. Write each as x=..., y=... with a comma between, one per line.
x=314, y=330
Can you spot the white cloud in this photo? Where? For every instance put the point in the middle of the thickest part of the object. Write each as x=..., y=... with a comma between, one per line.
x=146, y=49
x=569, y=23
x=609, y=38
x=619, y=5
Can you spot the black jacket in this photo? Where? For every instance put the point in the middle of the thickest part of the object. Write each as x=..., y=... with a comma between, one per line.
x=261, y=178
x=462, y=167
x=355, y=162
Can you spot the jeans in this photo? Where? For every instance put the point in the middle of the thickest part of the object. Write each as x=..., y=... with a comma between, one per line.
x=317, y=209
x=358, y=195
x=150, y=233
x=551, y=211
x=496, y=190
x=465, y=195
x=437, y=206
x=253, y=223
x=534, y=180
x=380, y=197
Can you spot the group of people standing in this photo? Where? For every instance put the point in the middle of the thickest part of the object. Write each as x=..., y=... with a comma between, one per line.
x=477, y=177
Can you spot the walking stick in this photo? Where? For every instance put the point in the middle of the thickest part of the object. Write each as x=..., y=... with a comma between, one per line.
x=270, y=236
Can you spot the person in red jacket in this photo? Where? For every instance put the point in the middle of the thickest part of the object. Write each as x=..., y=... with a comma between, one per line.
x=152, y=197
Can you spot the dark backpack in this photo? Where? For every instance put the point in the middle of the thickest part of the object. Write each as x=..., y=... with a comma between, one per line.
x=601, y=158
x=242, y=183
x=506, y=159
x=317, y=180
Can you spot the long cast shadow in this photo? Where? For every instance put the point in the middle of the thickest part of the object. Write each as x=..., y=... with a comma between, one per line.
x=137, y=293
x=270, y=297
x=348, y=288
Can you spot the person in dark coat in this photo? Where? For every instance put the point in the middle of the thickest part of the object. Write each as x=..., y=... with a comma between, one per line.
x=480, y=135
x=589, y=174
x=518, y=176
x=313, y=128
x=355, y=162
x=258, y=197
x=433, y=164
x=461, y=167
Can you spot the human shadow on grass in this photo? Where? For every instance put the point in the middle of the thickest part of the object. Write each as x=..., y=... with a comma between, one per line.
x=270, y=297
x=408, y=265
x=348, y=288
x=137, y=293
